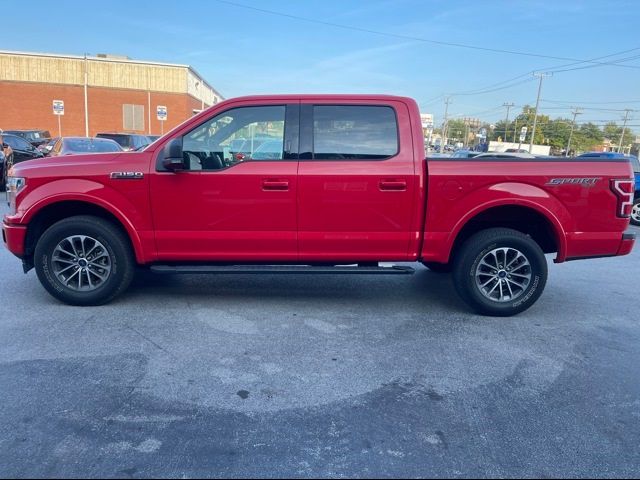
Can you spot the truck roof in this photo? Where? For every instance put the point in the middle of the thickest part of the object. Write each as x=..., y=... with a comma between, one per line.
x=323, y=96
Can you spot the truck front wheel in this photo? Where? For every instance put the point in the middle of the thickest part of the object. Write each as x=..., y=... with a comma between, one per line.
x=500, y=272
x=84, y=260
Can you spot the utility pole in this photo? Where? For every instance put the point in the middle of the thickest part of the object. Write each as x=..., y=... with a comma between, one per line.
x=506, y=121
x=624, y=127
x=576, y=112
x=535, y=118
x=447, y=101
x=86, y=100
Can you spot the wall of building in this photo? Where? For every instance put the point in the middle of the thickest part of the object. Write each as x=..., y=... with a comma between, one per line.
x=29, y=105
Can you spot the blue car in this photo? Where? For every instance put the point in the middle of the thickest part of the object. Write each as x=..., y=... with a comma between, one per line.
x=635, y=213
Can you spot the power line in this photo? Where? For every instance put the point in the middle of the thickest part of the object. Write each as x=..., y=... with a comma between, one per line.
x=410, y=37
x=593, y=103
x=490, y=88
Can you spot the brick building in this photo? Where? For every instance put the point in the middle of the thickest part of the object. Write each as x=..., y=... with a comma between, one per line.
x=101, y=94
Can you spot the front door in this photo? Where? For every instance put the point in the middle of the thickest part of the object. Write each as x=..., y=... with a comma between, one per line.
x=236, y=198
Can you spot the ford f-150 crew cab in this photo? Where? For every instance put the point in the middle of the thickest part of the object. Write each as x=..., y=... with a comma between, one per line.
x=312, y=183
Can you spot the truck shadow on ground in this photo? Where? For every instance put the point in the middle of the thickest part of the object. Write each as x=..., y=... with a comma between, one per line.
x=422, y=290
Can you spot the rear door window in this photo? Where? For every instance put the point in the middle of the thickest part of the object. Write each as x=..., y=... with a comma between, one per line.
x=354, y=132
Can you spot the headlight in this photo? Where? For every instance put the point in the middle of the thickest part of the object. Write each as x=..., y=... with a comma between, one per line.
x=15, y=184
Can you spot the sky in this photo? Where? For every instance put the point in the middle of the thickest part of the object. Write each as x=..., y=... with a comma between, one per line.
x=244, y=47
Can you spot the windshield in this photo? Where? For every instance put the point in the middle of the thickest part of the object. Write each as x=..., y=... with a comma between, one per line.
x=87, y=145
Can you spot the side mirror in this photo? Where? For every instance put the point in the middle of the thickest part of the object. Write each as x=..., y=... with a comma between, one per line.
x=172, y=158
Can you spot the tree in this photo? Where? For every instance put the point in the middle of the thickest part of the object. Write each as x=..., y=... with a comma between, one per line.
x=525, y=119
x=587, y=137
x=456, y=130
x=613, y=132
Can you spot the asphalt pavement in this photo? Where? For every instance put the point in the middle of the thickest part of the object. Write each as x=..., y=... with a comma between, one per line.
x=330, y=376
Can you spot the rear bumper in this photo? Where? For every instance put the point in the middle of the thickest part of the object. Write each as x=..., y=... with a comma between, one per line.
x=595, y=245
x=627, y=243
x=13, y=237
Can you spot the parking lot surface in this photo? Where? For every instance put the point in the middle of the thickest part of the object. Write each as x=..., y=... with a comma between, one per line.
x=306, y=376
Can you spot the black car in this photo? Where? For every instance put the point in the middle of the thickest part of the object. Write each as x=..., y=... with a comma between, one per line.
x=34, y=137
x=22, y=150
x=128, y=141
x=78, y=145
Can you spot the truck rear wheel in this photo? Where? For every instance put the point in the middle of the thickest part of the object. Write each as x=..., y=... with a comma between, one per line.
x=84, y=260
x=500, y=272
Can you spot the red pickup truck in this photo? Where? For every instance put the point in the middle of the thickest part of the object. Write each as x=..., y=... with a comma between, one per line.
x=312, y=183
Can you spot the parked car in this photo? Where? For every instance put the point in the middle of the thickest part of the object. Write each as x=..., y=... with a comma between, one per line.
x=513, y=155
x=34, y=137
x=46, y=147
x=76, y=145
x=128, y=141
x=635, y=213
x=22, y=150
x=353, y=189
x=7, y=160
x=465, y=154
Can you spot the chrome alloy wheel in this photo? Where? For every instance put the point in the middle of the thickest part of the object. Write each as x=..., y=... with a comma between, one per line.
x=81, y=263
x=635, y=213
x=503, y=274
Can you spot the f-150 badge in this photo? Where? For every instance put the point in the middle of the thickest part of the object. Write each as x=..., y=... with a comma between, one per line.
x=584, y=181
x=126, y=175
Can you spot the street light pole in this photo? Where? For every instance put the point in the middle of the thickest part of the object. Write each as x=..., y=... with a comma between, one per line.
x=506, y=121
x=535, y=118
x=576, y=112
x=624, y=127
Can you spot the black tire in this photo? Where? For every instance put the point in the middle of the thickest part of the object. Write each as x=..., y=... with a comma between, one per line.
x=439, y=267
x=483, y=244
x=120, y=257
x=635, y=213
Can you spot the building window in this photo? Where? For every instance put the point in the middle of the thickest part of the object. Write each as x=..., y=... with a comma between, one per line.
x=133, y=117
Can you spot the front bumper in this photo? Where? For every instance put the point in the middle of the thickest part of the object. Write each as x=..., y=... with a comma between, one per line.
x=14, y=238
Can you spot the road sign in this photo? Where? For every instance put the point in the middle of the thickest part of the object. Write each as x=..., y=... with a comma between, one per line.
x=58, y=107
x=523, y=133
x=161, y=112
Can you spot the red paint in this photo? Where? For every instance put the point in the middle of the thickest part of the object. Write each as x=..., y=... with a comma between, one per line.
x=399, y=209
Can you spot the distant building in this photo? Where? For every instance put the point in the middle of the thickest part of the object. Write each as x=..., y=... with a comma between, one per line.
x=122, y=95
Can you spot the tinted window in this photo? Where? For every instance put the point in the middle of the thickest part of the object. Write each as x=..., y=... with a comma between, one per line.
x=17, y=143
x=354, y=132
x=636, y=164
x=239, y=134
x=122, y=140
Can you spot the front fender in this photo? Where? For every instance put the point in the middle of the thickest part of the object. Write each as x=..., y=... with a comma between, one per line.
x=135, y=221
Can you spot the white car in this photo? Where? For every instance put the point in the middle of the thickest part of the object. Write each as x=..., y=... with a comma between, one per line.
x=505, y=155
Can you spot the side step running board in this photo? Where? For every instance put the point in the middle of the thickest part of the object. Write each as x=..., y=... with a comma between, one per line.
x=283, y=269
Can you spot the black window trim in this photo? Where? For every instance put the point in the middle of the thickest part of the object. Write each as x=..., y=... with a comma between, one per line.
x=291, y=134
x=307, y=147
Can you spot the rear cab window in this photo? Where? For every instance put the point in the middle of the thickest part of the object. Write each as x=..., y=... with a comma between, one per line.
x=354, y=132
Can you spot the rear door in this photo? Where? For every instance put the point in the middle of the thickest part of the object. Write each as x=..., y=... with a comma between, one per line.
x=357, y=181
